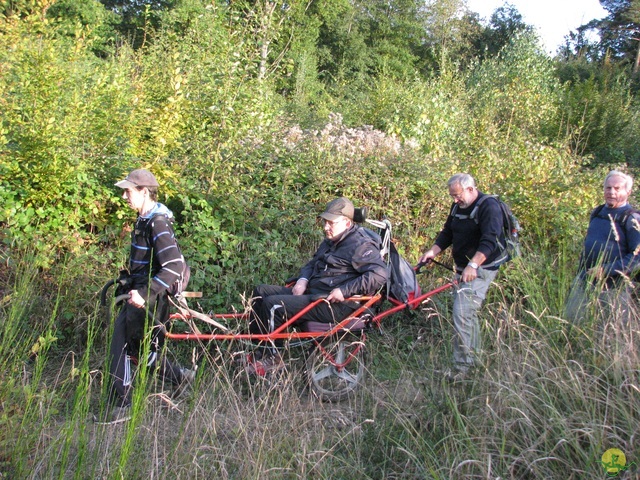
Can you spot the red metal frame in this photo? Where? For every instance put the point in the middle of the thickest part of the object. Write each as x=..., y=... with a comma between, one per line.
x=331, y=359
x=283, y=332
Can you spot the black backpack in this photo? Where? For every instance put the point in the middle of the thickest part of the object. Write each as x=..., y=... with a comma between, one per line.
x=402, y=282
x=510, y=227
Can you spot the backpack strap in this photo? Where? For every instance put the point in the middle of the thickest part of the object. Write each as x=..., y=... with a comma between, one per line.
x=460, y=216
x=454, y=209
x=596, y=212
x=474, y=213
x=621, y=219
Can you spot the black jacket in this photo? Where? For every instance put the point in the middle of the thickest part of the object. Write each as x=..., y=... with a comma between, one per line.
x=353, y=263
x=468, y=236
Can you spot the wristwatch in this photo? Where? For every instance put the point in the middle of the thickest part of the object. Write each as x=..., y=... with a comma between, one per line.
x=473, y=265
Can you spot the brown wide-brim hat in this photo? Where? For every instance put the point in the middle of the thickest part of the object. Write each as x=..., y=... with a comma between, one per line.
x=340, y=207
x=138, y=178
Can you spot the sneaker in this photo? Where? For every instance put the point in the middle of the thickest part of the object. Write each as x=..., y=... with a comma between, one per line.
x=268, y=364
x=121, y=414
x=188, y=376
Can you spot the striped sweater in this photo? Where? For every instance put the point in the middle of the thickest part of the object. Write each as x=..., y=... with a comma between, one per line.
x=155, y=262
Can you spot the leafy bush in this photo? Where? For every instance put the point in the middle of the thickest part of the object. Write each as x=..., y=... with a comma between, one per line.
x=598, y=114
x=59, y=117
x=514, y=92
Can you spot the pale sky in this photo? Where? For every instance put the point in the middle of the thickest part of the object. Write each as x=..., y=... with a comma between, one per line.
x=553, y=19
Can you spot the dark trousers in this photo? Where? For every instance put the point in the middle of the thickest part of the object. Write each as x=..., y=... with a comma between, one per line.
x=273, y=305
x=126, y=342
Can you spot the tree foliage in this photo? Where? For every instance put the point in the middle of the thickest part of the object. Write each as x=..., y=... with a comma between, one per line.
x=449, y=31
x=600, y=99
x=253, y=114
x=137, y=17
x=619, y=31
x=505, y=23
x=619, y=34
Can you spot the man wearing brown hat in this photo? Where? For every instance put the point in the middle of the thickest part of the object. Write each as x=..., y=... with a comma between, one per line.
x=347, y=263
x=155, y=265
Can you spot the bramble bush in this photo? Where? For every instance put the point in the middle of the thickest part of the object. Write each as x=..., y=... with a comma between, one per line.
x=243, y=179
x=246, y=170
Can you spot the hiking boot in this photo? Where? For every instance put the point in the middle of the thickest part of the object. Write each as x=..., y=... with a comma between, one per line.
x=456, y=376
x=268, y=364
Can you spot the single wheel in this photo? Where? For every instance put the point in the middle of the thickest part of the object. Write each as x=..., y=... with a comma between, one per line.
x=335, y=368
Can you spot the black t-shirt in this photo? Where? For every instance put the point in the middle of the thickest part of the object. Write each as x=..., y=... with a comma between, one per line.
x=466, y=236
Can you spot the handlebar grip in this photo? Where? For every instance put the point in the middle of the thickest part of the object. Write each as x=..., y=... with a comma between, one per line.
x=103, y=293
x=420, y=265
x=121, y=298
x=105, y=289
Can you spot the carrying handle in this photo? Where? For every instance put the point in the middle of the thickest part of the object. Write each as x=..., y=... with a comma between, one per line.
x=423, y=264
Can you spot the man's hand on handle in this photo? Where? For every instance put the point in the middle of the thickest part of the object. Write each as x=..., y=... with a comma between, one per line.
x=135, y=299
x=429, y=255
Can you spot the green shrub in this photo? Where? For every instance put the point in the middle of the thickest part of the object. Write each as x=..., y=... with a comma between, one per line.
x=515, y=93
x=598, y=113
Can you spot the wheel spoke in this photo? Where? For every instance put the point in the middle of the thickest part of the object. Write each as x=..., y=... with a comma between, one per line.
x=340, y=353
x=336, y=383
x=348, y=377
x=324, y=373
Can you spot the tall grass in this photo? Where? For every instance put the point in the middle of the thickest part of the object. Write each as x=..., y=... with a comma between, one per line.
x=551, y=399
x=548, y=403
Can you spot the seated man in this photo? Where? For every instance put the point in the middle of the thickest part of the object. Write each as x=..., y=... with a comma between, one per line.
x=347, y=263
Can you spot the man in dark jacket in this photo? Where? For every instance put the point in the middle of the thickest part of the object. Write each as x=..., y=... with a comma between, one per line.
x=610, y=257
x=347, y=263
x=155, y=264
x=474, y=230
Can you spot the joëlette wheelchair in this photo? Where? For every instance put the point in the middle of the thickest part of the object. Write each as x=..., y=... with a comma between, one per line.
x=335, y=358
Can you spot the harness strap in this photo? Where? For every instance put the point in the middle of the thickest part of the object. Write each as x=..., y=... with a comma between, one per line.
x=474, y=216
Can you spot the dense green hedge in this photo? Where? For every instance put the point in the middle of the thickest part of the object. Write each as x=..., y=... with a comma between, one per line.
x=244, y=179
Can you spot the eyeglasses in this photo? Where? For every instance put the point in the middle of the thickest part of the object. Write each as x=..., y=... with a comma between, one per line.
x=330, y=223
